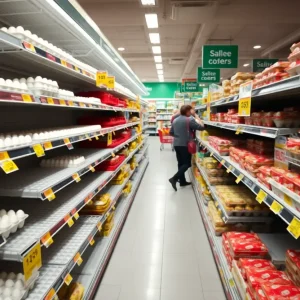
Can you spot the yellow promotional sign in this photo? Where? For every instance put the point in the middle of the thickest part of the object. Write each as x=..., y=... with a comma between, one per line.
x=101, y=78
x=32, y=261
x=208, y=105
x=245, y=99
x=110, y=82
x=109, y=138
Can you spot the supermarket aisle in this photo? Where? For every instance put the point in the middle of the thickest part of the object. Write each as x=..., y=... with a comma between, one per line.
x=163, y=252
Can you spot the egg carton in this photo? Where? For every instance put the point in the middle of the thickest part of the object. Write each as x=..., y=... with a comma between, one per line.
x=17, y=289
x=13, y=228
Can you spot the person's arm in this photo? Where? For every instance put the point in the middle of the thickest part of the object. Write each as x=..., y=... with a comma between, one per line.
x=194, y=125
x=197, y=118
x=172, y=130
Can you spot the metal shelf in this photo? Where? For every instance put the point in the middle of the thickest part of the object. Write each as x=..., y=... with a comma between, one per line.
x=270, y=132
x=216, y=246
x=53, y=217
x=200, y=107
x=61, y=257
x=18, y=152
x=287, y=213
x=143, y=151
x=225, y=217
x=93, y=268
x=33, y=182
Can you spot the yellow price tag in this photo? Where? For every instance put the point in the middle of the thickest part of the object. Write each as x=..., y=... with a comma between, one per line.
x=49, y=194
x=99, y=226
x=62, y=102
x=231, y=282
x=50, y=100
x=109, y=138
x=81, y=104
x=76, y=216
x=91, y=168
x=112, y=154
x=261, y=196
x=63, y=62
x=26, y=98
x=92, y=241
x=29, y=46
x=239, y=178
x=101, y=78
x=68, y=279
x=222, y=162
x=78, y=259
x=96, y=137
x=244, y=107
x=68, y=219
x=294, y=228
x=88, y=137
x=76, y=177
x=39, y=150
x=76, y=68
x=107, y=214
x=229, y=169
x=47, y=239
x=50, y=295
x=9, y=166
x=48, y=145
x=4, y=156
x=211, y=154
x=287, y=199
x=71, y=103
x=110, y=82
x=238, y=130
x=32, y=261
x=276, y=207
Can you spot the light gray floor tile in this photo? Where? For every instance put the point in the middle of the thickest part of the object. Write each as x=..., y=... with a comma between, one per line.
x=214, y=296
x=108, y=292
x=179, y=293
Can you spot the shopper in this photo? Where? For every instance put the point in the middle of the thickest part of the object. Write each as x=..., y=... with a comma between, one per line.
x=183, y=129
x=176, y=113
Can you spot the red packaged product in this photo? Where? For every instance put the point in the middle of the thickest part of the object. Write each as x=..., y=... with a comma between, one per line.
x=259, y=160
x=232, y=111
x=281, y=292
x=241, y=235
x=264, y=180
x=221, y=117
x=289, y=180
x=265, y=170
x=107, y=167
x=297, y=186
x=236, y=119
x=256, y=277
x=263, y=264
x=241, y=248
x=259, y=294
x=277, y=174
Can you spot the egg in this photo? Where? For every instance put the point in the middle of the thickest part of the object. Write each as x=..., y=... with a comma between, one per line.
x=13, y=220
x=12, y=30
x=11, y=276
x=36, y=137
x=3, y=275
x=11, y=213
x=16, y=294
x=38, y=79
x=9, y=83
x=19, y=285
x=8, y=298
x=20, y=214
x=4, y=29
x=2, y=213
x=9, y=282
x=7, y=142
x=15, y=140
x=7, y=292
x=4, y=223
x=22, y=139
x=28, y=139
x=20, y=276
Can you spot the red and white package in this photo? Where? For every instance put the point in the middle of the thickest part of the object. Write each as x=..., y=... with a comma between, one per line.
x=241, y=235
x=262, y=264
x=259, y=294
x=281, y=292
x=256, y=277
x=241, y=248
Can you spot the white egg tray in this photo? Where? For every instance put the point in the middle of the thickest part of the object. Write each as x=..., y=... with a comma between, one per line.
x=13, y=228
x=29, y=285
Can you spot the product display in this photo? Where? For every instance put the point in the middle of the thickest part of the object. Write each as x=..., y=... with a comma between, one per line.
x=11, y=221
x=63, y=161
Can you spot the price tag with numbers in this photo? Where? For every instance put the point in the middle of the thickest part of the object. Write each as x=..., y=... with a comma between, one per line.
x=110, y=82
x=261, y=196
x=101, y=78
x=294, y=228
x=39, y=150
x=245, y=99
x=78, y=259
x=32, y=261
x=47, y=239
x=276, y=207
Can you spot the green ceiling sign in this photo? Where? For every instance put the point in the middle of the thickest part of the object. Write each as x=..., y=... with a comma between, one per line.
x=208, y=75
x=258, y=65
x=220, y=57
x=191, y=86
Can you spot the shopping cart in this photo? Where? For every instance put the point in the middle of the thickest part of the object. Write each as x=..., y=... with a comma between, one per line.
x=165, y=138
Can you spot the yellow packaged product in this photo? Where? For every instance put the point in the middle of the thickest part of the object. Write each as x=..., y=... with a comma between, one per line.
x=232, y=200
x=76, y=291
x=124, y=152
x=210, y=163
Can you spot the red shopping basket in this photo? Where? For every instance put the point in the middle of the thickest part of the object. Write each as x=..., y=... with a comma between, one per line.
x=165, y=138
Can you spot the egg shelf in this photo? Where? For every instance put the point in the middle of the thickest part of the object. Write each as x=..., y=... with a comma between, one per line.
x=288, y=214
x=63, y=256
x=17, y=152
x=289, y=86
x=44, y=183
x=229, y=219
x=216, y=247
x=270, y=132
x=21, y=55
x=54, y=216
x=93, y=268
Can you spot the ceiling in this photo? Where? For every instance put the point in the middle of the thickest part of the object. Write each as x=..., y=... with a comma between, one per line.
x=186, y=25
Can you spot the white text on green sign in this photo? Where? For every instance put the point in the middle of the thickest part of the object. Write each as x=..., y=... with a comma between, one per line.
x=191, y=86
x=208, y=76
x=219, y=56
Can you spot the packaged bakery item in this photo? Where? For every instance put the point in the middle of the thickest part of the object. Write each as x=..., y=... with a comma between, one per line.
x=281, y=292
x=288, y=180
x=257, y=277
x=282, y=119
x=210, y=163
x=246, y=263
x=241, y=235
x=240, y=248
x=277, y=174
x=293, y=147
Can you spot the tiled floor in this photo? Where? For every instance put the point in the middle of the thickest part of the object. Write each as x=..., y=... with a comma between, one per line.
x=163, y=252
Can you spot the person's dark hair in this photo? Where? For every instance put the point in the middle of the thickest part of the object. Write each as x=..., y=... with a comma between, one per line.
x=185, y=109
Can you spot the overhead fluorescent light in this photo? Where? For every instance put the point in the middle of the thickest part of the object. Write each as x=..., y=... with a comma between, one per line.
x=160, y=72
x=161, y=78
x=245, y=65
x=156, y=49
x=157, y=59
x=159, y=66
x=151, y=20
x=154, y=38
x=257, y=47
x=121, y=48
x=148, y=2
